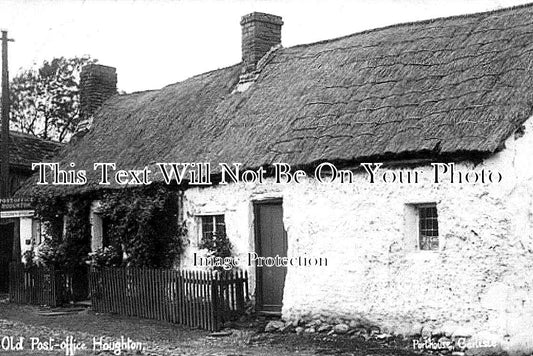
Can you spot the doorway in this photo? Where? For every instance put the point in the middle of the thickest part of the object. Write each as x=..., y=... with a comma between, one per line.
x=7, y=235
x=270, y=241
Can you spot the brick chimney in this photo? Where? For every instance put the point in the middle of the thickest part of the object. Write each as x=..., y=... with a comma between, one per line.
x=260, y=32
x=97, y=84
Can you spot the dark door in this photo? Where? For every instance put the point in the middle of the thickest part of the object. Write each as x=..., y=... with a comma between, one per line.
x=7, y=232
x=271, y=241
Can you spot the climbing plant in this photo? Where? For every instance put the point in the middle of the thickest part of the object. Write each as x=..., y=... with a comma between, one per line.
x=145, y=224
x=67, y=251
x=217, y=244
x=142, y=225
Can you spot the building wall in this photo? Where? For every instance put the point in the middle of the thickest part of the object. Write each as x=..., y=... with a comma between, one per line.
x=479, y=280
x=26, y=234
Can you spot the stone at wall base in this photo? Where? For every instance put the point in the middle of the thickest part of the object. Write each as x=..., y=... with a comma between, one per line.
x=463, y=331
x=341, y=329
x=324, y=328
x=485, y=351
x=416, y=329
x=274, y=325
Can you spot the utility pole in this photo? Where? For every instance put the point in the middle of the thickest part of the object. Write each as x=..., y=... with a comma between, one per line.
x=4, y=138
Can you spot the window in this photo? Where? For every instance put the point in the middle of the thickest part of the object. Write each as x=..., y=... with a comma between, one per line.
x=100, y=232
x=428, y=227
x=212, y=225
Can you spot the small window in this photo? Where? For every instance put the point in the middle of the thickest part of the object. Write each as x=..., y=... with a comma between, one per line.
x=212, y=225
x=428, y=227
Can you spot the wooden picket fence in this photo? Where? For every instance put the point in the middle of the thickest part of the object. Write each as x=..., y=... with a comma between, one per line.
x=202, y=299
x=38, y=285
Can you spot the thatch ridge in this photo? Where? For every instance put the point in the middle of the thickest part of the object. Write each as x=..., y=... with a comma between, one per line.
x=459, y=85
x=419, y=22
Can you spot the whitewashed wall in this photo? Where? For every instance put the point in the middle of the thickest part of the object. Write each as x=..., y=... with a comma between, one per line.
x=480, y=280
x=26, y=234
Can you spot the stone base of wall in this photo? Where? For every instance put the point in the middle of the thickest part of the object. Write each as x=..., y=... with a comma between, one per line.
x=429, y=336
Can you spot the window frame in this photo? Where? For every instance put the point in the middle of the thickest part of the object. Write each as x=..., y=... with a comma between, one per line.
x=97, y=229
x=419, y=228
x=200, y=219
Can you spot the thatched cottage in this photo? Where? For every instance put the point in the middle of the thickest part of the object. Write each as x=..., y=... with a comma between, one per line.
x=452, y=256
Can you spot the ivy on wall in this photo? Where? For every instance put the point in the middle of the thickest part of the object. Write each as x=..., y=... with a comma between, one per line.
x=141, y=224
x=144, y=224
x=50, y=210
x=67, y=251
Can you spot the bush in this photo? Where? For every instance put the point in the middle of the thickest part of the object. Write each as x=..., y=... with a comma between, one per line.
x=145, y=222
x=106, y=257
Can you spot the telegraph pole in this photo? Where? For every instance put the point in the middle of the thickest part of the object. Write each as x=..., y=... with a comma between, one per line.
x=4, y=138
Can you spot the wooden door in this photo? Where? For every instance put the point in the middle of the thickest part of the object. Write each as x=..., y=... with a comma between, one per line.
x=7, y=232
x=270, y=241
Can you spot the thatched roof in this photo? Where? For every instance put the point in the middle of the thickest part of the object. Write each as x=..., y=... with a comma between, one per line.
x=447, y=86
x=25, y=149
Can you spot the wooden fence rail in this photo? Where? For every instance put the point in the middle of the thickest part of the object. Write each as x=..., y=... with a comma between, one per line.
x=193, y=298
x=38, y=285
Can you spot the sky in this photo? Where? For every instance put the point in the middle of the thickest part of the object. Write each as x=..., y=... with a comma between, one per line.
x=156, y=43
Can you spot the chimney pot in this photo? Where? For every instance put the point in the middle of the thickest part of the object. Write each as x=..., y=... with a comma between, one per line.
x=97, y=84
x=260, y=32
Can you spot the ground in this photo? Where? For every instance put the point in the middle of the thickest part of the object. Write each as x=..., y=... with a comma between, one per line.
x=160, y=338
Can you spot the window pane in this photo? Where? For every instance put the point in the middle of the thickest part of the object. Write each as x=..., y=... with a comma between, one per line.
x=220, y=225
x=428, y=228
x=213, y=224
x=207, y=224
x=207, y=227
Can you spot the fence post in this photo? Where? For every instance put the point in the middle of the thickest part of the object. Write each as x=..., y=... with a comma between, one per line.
x=215, y=301
x=54, y=293
x=239, y=291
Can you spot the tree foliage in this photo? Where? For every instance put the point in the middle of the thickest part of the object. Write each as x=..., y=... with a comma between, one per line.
x=45, y=100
